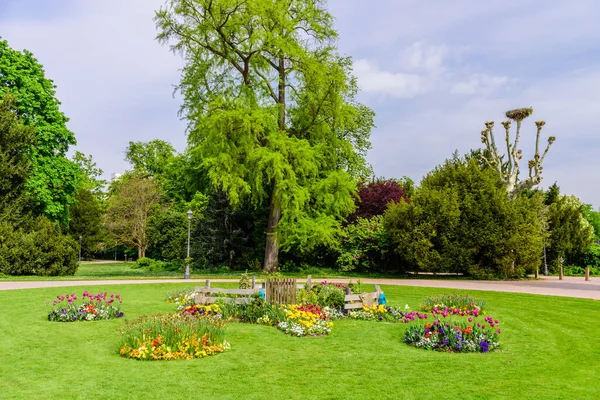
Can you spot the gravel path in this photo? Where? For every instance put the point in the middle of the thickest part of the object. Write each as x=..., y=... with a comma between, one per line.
x=551, y=286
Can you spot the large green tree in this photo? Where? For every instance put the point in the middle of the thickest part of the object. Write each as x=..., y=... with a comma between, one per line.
x=54, y=178
x=271, y=111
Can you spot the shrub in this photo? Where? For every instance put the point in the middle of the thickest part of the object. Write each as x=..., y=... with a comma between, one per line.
x=258, y=311
x=455, y=336
x=143, y=262
x=364, y=245
x=325, y=294
x=39, y=248
x=245, y=281
x=170, y=337
x=93, y=307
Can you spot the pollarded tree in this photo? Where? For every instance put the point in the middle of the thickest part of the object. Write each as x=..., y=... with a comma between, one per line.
x=271, y=110
x=53, y=181
x=508, y=169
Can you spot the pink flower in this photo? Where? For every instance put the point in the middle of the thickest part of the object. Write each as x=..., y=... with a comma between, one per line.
x=470, y=319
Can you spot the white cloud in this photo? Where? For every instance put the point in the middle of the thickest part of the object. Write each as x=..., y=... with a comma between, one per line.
x=373, y=80
x=422, y=69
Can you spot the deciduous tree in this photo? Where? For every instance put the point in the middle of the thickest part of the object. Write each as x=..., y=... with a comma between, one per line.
x=130, y=205
x=53, y=181
x=271, y=110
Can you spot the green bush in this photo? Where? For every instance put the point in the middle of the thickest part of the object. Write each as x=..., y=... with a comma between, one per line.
x=37, y=248
x=143, y=262
x=324, y=295
x=364, y=245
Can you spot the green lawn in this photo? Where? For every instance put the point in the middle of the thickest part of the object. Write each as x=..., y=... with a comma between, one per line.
x=550, y=350
x=122, y=270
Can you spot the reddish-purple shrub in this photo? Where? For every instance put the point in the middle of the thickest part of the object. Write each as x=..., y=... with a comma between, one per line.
x=374, y=197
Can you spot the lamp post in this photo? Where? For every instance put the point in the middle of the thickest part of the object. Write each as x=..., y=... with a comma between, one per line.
x=79, y=249
x=187, y=260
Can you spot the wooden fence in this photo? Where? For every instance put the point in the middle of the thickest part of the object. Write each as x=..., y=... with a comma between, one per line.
x=281, y=291
x=354, y=301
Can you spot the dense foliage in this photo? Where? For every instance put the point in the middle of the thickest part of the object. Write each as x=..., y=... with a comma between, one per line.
x=29, y=245
x=272, y=114
x=36, y=247
x=374, y=197
x=54, y=178
x=461, y=220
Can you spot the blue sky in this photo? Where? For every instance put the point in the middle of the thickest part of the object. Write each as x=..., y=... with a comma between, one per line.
x=433, y=71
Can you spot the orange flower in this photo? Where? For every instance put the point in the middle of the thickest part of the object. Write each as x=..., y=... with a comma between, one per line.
x=427, y=326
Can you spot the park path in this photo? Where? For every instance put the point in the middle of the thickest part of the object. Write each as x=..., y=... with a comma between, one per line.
x=551, y=286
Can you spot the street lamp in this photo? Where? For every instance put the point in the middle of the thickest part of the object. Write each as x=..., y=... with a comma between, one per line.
x=187, y=260
x=79, y=249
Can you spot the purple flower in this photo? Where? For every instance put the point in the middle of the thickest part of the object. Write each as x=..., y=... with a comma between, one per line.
x=498, y=331
x=484, y=346
x=470, y=319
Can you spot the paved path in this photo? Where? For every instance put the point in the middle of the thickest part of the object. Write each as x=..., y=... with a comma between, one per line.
x=569, y=287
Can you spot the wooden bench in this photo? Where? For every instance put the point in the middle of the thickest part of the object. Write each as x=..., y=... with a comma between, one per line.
x=354, y=301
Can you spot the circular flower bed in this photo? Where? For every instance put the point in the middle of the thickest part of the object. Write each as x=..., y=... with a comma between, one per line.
x=171, y=337
x=455, y=336
x=93, y=307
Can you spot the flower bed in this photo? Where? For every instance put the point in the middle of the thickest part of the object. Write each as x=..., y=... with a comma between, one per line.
x=307, y=320
x=182, y=297
x=458, y=302
x=93, y=307
x=211, y=311
x=455, y=336
x=171, y=337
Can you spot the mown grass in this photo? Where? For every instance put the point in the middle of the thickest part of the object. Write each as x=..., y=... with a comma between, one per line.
x=122, y=270
x=550, y=350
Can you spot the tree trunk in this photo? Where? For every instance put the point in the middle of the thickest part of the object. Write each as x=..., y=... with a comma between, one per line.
x=141, y=252
x=272, y=245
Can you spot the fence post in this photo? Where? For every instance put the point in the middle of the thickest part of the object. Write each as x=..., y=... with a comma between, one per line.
x=587, y=273
x=253, y=282
x=348, y=291
x=207, y=283
x=560, y=274
x=309, y=283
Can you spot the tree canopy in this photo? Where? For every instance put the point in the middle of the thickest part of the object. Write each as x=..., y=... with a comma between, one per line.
x=461, y=220
x=54, y=178
x=271, y=110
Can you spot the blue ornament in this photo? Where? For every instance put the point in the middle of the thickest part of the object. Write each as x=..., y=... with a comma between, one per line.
x=261, y=293
x=382, y=299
